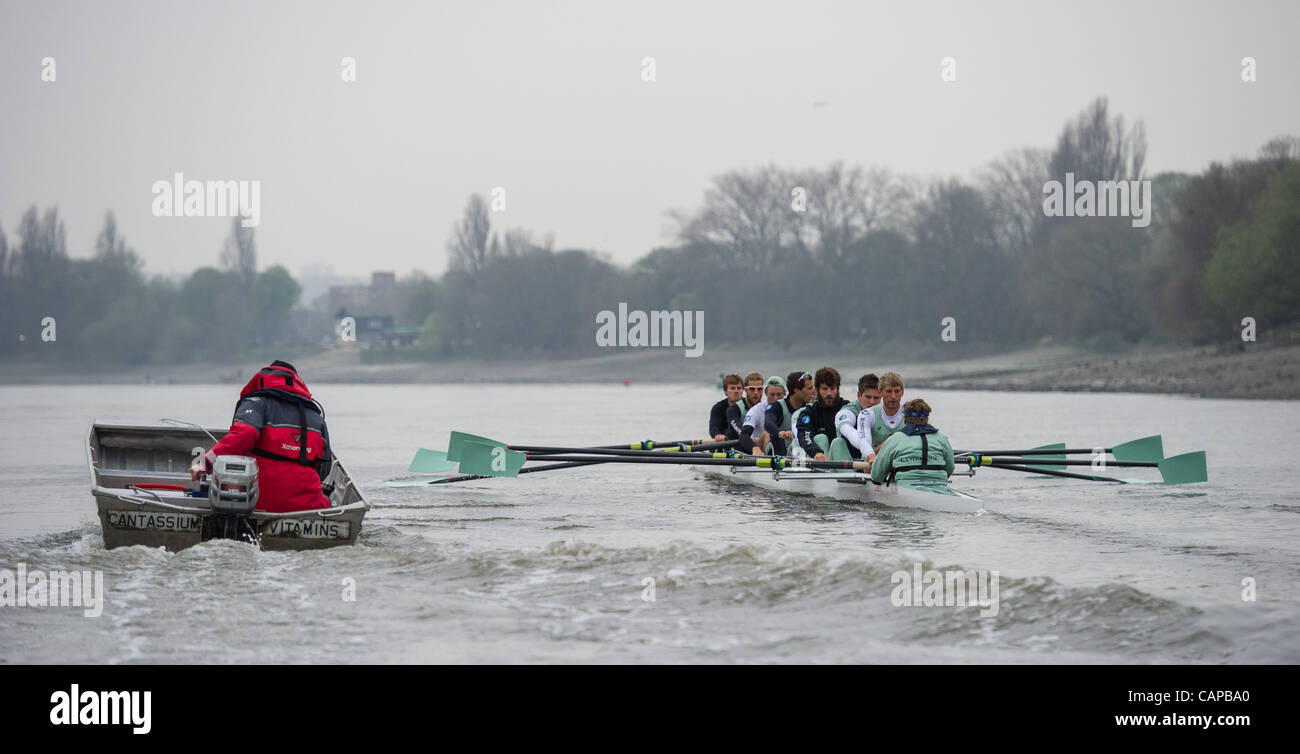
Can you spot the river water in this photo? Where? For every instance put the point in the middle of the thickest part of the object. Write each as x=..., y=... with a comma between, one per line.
x=627, y=563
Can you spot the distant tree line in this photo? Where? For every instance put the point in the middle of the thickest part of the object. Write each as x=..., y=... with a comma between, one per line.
x=851, y=256
x=104, y=309
x=841, y=255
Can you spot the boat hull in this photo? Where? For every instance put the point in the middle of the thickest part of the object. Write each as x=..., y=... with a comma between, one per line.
x=852, y=487
x=121, y=456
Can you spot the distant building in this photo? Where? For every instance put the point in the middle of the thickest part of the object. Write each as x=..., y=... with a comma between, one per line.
x=377, y=299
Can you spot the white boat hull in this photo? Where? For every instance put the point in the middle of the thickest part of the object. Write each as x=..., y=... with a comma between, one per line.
x=850, y=486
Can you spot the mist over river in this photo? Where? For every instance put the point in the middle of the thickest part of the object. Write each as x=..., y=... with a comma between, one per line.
x=561, y=566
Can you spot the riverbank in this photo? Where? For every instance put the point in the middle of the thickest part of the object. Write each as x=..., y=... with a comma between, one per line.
x=1255, y=371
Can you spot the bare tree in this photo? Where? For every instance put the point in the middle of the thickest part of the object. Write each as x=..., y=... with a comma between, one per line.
x=239, y=254
x=1013, y=184
x=745, y=213
x=1096, y=147
x=846, y=203
x=468, y=249
x=1281, y=149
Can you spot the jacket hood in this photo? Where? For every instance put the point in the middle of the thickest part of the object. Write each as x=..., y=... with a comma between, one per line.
x=276, y=377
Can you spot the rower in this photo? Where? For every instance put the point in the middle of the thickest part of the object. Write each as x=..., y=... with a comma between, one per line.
x=846, y=421
x=732, y=389
x=877, y=423
x=764, y=420
x=816, y=425
x=753, y=395
x=780, y=415
x=918, y=454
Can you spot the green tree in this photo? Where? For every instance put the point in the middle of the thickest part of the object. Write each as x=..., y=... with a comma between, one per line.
x=1256, y=263
x=274, y=295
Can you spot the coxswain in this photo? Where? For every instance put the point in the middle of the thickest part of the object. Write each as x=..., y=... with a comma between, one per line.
x=278, y=422
x=731, y=387
x=815, y=429
x=918, y=454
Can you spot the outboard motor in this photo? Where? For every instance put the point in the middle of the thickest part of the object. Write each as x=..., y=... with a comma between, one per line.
x=232, y=494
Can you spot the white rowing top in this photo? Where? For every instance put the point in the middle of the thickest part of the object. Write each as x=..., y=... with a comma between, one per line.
x=858, y=433
x=756, y=418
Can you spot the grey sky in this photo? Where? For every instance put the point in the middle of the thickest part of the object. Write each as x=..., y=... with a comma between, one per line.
x=546, y=100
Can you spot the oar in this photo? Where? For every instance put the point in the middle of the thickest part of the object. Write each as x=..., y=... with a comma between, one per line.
x=459, y=438
x=1053, y=472
x=472, y=477
x=1143, y=449
x=498, y=460
x=1187, y=468
x=659, y=448
x=544, y=452
x=437, y=461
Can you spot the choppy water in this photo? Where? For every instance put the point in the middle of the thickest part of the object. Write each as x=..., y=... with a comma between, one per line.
x=553, y=567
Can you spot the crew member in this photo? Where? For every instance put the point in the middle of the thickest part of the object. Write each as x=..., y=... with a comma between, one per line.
x=846, y=421
x=918, y=454
x=731, y=386
x=877, y=423
x=780, y=415
x=752, y=396
x=816, y=426
x=278, y=422
x=762, y=423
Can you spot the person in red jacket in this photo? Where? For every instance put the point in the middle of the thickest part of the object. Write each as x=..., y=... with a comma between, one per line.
x=279, y=423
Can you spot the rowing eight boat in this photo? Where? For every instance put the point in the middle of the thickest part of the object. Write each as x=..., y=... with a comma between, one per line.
x=852, y=486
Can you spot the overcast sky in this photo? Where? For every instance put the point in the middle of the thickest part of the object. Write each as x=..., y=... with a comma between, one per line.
x=546, y=99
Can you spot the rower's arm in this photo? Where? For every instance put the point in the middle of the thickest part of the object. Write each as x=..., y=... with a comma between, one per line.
x=735, y=423
x=804, y=435
x=883, y=463
x=846, y=425
x=718, y=421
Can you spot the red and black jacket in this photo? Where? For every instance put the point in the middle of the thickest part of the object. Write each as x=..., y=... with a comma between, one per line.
x=278, y=421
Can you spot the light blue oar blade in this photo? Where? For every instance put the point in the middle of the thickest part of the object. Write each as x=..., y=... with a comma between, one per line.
x=1188, y=468
x=490, y=460
x=1147, y=450
x=458, y=440
x=1053, y=446
x=430, y=462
